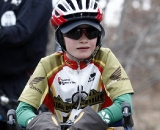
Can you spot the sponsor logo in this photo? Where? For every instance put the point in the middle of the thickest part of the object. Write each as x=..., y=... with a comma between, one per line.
x=116, y=76
x=65, y=81
x=36, y=81
x=92, y=77
x=78, y=94
x=93, y=98
x=112, y=82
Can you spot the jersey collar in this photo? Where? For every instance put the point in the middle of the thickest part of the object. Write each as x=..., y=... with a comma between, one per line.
x=73, y=64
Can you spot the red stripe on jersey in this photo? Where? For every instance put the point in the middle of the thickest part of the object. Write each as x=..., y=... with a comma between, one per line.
x=48, y=101
x=107, y=100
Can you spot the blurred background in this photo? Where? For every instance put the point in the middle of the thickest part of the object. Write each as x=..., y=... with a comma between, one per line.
x=133, y=34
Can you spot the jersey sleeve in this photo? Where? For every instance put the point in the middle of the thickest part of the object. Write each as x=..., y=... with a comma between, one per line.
x=115, y=78
x=36, y=88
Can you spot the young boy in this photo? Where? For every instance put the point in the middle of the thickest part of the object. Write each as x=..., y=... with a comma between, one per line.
x=84, y=83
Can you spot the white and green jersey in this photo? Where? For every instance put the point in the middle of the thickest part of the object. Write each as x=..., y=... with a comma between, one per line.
x=66, y=87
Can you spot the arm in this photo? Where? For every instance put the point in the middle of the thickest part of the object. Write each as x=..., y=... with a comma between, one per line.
x=24, y=113
x=31, y=97
x=32, y=17
x=117, y=86
x=114, y=112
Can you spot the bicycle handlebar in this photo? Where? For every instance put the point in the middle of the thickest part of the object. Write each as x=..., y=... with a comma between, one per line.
x=126, y=122
x=12, y=124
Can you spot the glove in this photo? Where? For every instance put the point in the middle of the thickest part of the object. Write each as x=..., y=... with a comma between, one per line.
x=88, y=119
x=44, y=121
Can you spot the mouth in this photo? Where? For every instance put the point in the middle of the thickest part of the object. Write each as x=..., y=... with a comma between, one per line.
x=83, y=48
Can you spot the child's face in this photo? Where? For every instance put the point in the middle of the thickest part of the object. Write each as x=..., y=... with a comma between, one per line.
x=81, y=48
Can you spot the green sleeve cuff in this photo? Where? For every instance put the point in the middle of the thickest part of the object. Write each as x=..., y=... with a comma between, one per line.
x=24, y=112
x=114, y=112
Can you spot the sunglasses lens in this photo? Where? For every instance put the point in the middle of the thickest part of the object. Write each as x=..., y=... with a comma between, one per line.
x=92, y=33
x=76, y=33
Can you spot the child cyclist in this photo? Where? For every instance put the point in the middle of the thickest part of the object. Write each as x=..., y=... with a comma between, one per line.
x=84, y=83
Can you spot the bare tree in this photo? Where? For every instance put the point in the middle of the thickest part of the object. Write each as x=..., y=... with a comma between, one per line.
x=135, y=41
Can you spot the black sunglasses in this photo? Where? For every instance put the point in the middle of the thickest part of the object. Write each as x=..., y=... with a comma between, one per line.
x=76, y=33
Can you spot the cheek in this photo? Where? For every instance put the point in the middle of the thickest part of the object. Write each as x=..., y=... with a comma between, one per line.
x=93, y=43
x=68, y=43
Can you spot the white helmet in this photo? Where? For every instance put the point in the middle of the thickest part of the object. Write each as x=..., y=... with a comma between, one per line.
x=68, y=10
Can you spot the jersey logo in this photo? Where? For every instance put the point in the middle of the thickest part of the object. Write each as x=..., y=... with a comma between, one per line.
x=116, y=75
x=93, y=98
x=65, y=81
x=78, y=94
x=36, y=81
x=92, y=77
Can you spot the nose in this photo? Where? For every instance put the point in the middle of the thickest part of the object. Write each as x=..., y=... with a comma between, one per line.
x=83, y=38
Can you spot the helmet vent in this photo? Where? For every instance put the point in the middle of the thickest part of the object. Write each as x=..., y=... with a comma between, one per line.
x=95, y=5
x=79, y=2
x=71, y=4
x=87, y=4
x=62, y=8
x=56, y=13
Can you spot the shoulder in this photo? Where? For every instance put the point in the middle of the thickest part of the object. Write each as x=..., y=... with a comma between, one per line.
x=103, y=54
x=53, y=60
x=104, y=49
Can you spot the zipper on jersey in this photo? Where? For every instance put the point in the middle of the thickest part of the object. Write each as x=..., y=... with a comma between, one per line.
x=79, y=85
